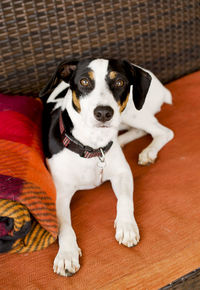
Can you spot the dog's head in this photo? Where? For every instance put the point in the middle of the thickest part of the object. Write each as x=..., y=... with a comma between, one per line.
x=100, y=88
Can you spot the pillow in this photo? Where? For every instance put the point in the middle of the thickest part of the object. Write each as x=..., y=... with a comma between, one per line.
x=27, y=193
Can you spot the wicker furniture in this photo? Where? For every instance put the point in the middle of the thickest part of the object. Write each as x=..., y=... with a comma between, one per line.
x=163, y=36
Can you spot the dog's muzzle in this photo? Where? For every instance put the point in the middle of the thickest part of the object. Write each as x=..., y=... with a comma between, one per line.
x=103, y=113
x=77, y=147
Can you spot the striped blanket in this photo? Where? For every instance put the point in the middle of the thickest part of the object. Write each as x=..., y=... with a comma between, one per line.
x=27, y=193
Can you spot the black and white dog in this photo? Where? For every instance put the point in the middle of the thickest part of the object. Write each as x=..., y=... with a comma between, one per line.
x=85, y=105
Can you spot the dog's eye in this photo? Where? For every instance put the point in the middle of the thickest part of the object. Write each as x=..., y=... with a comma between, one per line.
x=119, y=83
x=84, y=82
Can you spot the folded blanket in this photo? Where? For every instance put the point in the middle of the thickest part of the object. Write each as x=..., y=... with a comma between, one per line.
x=27, y=193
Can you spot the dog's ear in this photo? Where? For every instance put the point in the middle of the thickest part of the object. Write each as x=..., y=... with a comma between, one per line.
x=141, y=81
x=64, y=72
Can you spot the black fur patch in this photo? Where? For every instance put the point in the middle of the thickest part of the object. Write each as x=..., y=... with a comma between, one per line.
x=82, y=71
x=119, y=93
x=62, y=94
x=52, y=142
x=135, y=76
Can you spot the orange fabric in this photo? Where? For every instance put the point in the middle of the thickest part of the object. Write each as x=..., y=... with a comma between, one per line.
x=27, y=192
x=167, y=206
x=16, y=166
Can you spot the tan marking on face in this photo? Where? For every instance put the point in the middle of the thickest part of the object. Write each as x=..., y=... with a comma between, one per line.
x=123, y=105
x=91, y=75
x=112, y=75
x=76, y=101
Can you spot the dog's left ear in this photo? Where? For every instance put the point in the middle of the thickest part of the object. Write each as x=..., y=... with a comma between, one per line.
x=141, y=81
x=63, y=72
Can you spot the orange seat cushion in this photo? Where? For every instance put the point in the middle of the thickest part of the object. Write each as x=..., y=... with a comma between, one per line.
x=167, y=206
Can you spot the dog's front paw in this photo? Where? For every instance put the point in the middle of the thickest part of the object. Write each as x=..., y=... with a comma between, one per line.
x=66, y=263
x=121, y=140
x=127, y=233
x=147, y=156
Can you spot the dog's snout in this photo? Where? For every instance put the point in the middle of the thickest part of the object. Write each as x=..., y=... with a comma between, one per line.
x=103, y=113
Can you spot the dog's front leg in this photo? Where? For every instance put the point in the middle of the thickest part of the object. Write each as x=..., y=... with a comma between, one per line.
x=127, y=232
x=66, y=262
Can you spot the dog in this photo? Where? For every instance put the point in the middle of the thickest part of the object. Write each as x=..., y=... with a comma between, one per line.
x=86, y=103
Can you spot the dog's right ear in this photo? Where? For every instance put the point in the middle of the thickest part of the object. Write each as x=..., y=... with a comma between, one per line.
x=141, y=81
x=63, y=72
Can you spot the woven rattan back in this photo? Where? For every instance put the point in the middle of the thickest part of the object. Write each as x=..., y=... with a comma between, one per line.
x=161, y=35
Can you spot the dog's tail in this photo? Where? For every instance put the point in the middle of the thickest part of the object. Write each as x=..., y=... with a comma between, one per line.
x=167, y=96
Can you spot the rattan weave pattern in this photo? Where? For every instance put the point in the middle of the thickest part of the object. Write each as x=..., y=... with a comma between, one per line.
x=162, y=35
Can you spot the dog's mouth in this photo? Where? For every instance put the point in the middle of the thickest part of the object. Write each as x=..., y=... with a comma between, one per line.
x=106, y=125
x=103, y=126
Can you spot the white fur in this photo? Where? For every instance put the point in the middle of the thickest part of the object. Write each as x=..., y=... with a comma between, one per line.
x=144, y=121
x=56, y=91
x=71, y=172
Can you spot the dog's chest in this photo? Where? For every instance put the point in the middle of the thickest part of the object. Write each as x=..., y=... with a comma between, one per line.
x=76, y=171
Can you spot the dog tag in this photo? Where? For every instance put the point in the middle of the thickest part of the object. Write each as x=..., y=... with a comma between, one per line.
x=101, y=164
x=100, y=174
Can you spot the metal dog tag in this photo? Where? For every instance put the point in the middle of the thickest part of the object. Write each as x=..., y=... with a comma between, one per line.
x=101, y=164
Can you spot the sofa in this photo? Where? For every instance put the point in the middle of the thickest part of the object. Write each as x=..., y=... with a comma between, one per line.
x=162, y=36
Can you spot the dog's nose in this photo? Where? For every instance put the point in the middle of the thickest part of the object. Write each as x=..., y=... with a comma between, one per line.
x=103, y=113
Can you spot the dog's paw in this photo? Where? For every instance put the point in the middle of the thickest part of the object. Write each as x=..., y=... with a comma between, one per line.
x=147, y=156
x=122, y=140
x=66, y=263
x=127, y=233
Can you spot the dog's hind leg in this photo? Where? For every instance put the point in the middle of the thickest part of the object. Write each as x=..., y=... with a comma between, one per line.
x=66, y=262
x=149, y=124
x=130, y=135
x=161, y=135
